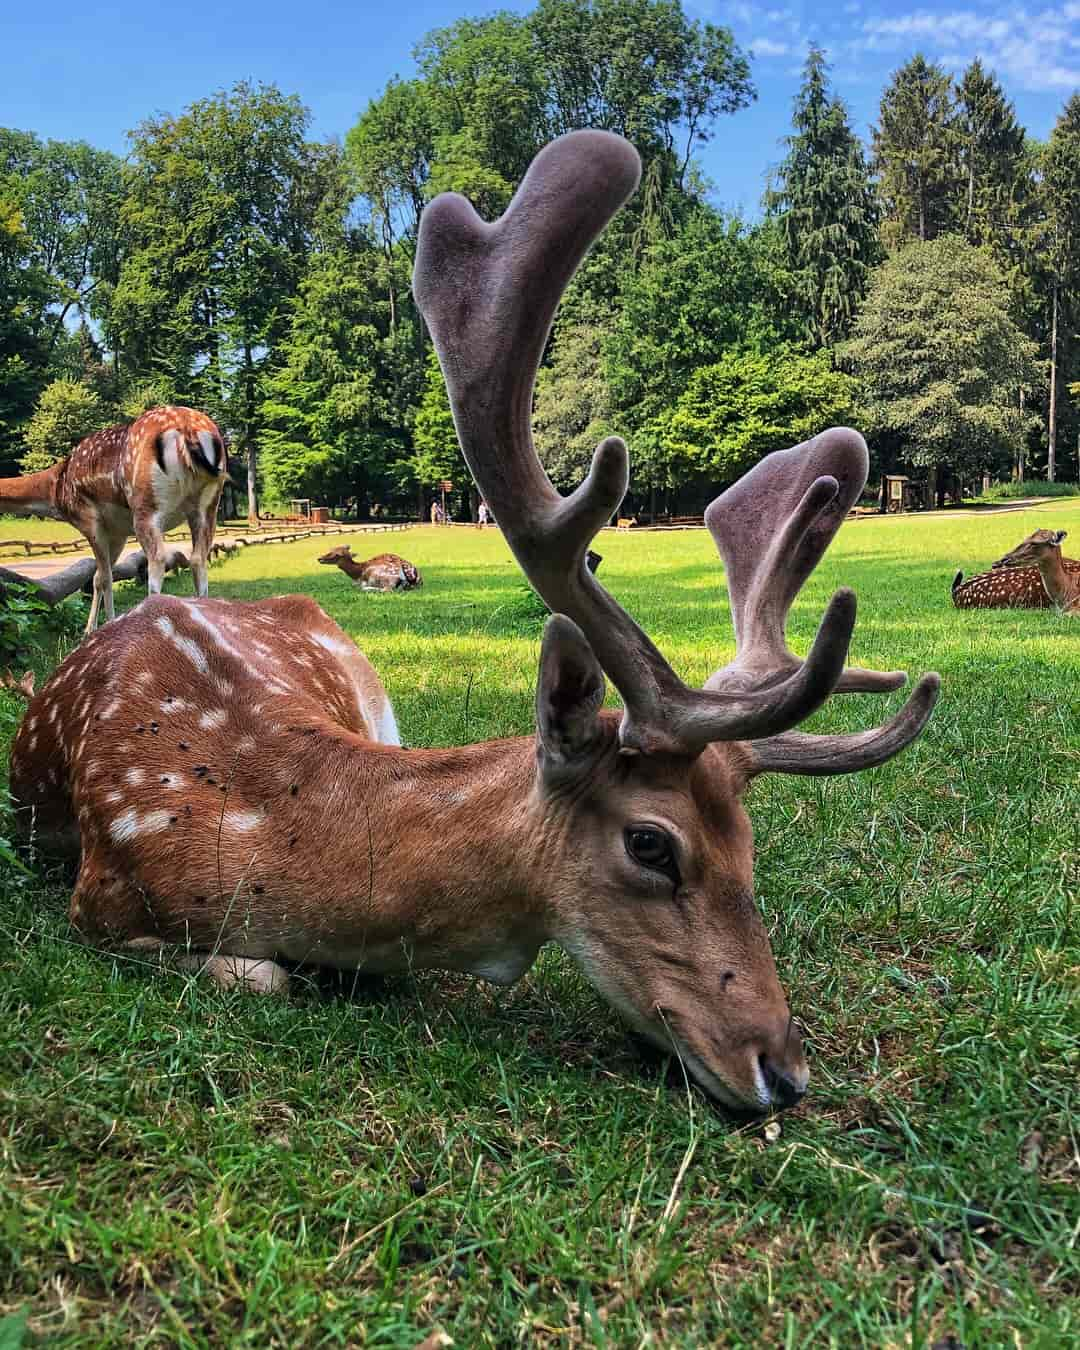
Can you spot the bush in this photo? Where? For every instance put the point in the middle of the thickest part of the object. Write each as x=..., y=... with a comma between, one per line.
x=1030, y=487
x=67, y=411
x=23, y=614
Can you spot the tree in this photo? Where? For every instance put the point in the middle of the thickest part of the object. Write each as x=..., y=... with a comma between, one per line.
x=225, y=204
x=573, y=401
x=25, y=293
x=990, y=146
x=67, y=411
x=827, y=209
x=916, y=154
x=336, y=406
x=750, y=403
x=436, y=454
x=940, y=358
x=1060, y=245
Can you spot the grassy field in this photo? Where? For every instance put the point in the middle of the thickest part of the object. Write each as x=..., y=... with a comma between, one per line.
x=186, y=1168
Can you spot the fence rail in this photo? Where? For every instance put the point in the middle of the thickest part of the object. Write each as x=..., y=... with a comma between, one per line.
x=30, y=547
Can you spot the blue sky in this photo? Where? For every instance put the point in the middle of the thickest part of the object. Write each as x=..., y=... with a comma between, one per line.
x=94, y=71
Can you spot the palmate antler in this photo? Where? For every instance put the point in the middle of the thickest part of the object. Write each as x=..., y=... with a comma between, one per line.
x=489, y=294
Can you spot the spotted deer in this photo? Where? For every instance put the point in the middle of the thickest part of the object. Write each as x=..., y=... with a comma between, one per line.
x=384, y=572
x=1016, y=584
x=232, y=777
x=166, y=467
x=1060, y=576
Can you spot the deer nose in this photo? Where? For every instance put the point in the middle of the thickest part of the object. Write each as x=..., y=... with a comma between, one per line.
x=785, y=1086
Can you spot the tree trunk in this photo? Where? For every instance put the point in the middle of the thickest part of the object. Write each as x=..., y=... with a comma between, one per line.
x=1051, y=459
x=249, y=435
x=931, y=486
x=1021, y=450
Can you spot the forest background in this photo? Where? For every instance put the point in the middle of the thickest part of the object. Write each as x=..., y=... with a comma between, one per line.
x=924, y=287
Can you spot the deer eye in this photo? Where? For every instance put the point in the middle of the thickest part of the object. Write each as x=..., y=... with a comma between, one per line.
x=652, y=848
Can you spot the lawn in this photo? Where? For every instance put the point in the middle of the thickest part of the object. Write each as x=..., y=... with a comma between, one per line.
x=184, y=1167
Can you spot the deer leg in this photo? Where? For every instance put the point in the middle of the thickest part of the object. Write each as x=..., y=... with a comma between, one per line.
x=104, y=555
x=201, y=525
x=152, y=542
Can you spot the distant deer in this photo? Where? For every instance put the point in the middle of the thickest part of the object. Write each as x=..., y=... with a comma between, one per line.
x=23, y=685
x=167, y=466
x=385, y=572
x=1060, y=576
x=1014, y=582
x=626, y=522
x=231, y=779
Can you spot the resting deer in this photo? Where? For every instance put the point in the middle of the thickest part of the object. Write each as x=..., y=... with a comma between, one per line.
x=384, y=572
x=232, y=773
x=22, y=686
x=1018, y=586
x=167, y=466
x=1060, y=576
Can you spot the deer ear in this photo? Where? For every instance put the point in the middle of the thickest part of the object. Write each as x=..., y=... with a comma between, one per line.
x=569, y=693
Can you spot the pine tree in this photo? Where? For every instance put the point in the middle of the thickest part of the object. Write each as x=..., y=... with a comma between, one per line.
x=916, y=154
x=991, y=156
x=827, y=210
x=1060, y=192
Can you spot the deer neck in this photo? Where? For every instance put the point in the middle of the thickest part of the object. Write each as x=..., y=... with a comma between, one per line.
x=435, y=860
x=1058, y=584
x=32, y=494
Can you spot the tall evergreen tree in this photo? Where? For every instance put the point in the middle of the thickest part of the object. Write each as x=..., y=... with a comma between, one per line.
x=827, y=209
x=916, y=154
x=990, y=144
x=1060, y=202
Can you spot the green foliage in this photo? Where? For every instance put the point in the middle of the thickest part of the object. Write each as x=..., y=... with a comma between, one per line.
x=748, y=404
x=916, y=154
x=573, y=401
x=827, y=210
x=992, y=161
x=1017, y=490
x=939, y=357
x=24, y=293
x=437, y=454
x=67, y=411
x=24, y=617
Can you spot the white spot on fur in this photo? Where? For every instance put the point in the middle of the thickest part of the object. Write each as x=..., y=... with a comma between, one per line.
x=125, y=826
x=216, y=717
x=388, y=732
x=190, y=649
x=243, y=820
x=135, y=776
x=334, y=644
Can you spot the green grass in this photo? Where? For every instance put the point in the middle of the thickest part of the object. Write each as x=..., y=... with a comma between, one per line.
x=186, y=1168
x=1030, y=487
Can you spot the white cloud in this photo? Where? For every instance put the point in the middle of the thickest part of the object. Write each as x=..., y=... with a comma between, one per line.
x=763, y=46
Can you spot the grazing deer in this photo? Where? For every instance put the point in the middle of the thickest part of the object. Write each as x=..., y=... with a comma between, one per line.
x=626, y=522
x=232, y=776
x=384, y=572
x=167, y=466
x=1014, y=582
x=1060, y=576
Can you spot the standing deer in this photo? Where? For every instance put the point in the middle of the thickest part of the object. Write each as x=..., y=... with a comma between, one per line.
x=167, y=466
x=1014, y=582
x=232, y=776
x=384, y=572
x=1060, y=576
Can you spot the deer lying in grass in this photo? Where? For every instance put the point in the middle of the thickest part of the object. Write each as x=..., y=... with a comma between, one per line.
x=1060, y=577
x=384, y=572
x=22, y=685
x=231, y=774
x=1016, y=581
x=167, y=466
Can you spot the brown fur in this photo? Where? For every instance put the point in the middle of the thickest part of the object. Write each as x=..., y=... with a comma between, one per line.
x=1060, y=577
x=113, y=482
x=384, y=572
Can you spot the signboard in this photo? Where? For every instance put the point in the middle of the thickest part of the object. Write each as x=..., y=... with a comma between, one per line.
x=446, y=485
x=896, y=490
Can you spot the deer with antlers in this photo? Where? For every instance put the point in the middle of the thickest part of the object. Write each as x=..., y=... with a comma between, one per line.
x=384, y=572
x=1060, y=577
x=231, y=774
x=167, y=466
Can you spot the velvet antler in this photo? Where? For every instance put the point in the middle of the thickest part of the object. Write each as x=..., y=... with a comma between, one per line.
x=489, y=293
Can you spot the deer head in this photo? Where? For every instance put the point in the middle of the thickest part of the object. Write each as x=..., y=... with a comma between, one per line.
x=1042, y=544
x=647, y=853
x=336, y=556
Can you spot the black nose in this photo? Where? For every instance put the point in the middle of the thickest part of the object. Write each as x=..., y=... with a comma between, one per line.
x=783, y=1089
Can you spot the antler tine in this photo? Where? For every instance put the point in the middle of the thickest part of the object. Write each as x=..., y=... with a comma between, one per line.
x=798, y=752
x=771, y=529
x=488, y=293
